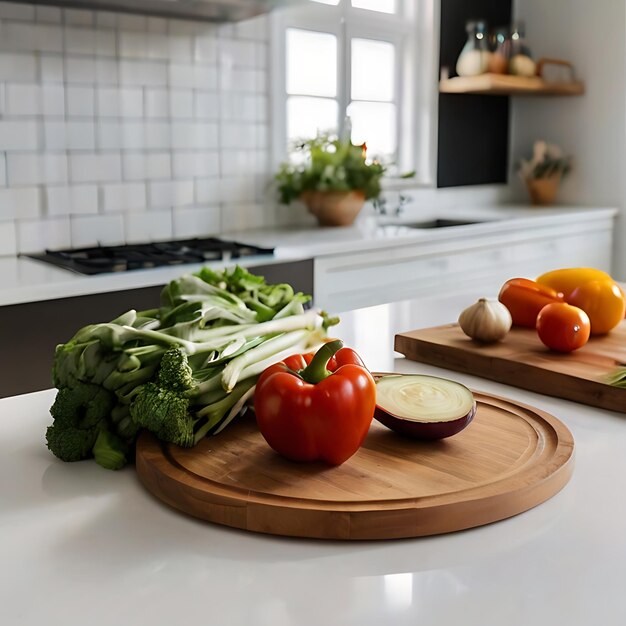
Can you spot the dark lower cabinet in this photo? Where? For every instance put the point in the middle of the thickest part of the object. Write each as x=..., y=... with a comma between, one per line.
x=30, y=331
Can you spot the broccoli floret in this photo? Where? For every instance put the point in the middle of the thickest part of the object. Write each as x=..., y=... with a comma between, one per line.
x=79, y=413
x=174, y=371
x=110, y=451
x=71, y=444
x=164, y=407
x=165, y=413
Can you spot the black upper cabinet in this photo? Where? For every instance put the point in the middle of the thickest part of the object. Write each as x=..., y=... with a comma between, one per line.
x=473, y=130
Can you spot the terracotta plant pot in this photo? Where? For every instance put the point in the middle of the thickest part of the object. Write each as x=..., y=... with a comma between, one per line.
x=543, y=191
x=334, y=208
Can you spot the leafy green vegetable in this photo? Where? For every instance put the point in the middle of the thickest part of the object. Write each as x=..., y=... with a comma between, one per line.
x=183, y=370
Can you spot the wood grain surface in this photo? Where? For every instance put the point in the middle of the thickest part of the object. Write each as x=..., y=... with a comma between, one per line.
x=510, y=458
x=521, y=360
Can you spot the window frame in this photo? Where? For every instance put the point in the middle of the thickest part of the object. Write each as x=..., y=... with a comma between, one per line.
x=412, y=31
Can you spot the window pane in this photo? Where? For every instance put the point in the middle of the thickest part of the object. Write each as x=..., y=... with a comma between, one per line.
x=308, y=116
x=311, y=63
x=375, y=124
x=382, y=6
x=373, y=70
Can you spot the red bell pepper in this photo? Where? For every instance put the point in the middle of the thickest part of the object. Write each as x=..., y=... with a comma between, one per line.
x=316, y=407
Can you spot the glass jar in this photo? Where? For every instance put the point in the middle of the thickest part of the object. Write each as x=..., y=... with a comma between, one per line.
x=474, y=58
x=499, y=59
x=521, y=62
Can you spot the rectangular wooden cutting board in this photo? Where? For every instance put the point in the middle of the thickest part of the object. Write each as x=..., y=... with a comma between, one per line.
x=521, y=360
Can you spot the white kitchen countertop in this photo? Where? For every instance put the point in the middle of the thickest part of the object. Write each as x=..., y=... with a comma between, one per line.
x=80, y=544
x=28, y=280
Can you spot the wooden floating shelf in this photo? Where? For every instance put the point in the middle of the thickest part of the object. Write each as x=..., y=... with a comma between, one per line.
x=507, y=85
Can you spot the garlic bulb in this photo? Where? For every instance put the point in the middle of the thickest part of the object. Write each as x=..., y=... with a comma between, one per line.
x=486, y=320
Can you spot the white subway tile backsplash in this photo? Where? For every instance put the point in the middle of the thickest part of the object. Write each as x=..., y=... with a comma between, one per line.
x=140, y=227
x=237, y=190
x=194, y=135
x=146, y=73
x=51, y=15
x=196, y=221
x=53, y=99
x=18, y=67
x=132, y=22
x=256, y=28
x=156, y=25
x=205, y=49
x=89, y=167
x=69, y=135
x=181, y=104
x=80, y=101
x=237, y=135
x=240, y=107
x=208, y=191
x=206, y=106
x=157, y=103
x=106, y=71
x=94, y=230
x=121, y=127
x=31, y=37
x=75, y=200
x=147, y=166
x=51, y=68
x=36, y=169
x=22, y=99
x=15, y=11
x=157, y=135
x=195, y=164
x=237, y=53
x=23, y=202
x=18, y=135
x=237, y=162
x=242, y=216
x=192, y=76
x=34, y=236
x=8, y=238
x=105, y=19
x=79, y=17
x=114, y=102
x=124, y=197
x=171, y=193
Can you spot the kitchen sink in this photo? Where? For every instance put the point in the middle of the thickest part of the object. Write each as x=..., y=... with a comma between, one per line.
x=440, y=223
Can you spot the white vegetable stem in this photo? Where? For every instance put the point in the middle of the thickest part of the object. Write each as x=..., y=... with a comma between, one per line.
x=256, y=360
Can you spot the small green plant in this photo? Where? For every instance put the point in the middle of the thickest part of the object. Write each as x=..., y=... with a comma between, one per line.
x=547, y=160
x=329, y=164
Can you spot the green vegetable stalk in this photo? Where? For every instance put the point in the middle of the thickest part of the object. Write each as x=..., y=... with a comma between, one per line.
x=182, y=371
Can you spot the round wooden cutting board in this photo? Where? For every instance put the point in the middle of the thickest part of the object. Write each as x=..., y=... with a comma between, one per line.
x=509, y=459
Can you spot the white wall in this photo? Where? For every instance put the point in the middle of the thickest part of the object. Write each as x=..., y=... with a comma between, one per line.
x=119, y=128
x=591, y=128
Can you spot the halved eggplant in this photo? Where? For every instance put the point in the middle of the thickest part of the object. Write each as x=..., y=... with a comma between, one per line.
x=423, y=407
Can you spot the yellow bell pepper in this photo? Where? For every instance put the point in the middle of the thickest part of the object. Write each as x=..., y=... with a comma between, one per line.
x=568, y=279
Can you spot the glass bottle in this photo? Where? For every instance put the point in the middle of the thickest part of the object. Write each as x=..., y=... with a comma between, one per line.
x=474, y=58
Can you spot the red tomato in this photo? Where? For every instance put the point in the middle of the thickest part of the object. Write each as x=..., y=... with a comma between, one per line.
x=524, y=299
x=563, y=327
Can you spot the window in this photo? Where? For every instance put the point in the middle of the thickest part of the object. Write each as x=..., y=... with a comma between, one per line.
x=351, y=67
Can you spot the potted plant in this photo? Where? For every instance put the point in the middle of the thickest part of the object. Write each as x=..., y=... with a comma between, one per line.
x=332, y=177
x=544, y=172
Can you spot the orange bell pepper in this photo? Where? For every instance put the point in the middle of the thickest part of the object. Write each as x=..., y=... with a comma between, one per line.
x=524, y=299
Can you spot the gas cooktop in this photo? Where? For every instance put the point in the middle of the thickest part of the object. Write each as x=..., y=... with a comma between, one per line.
x=103, y=259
